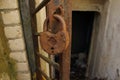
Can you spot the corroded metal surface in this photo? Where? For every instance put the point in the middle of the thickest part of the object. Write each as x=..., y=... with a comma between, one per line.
x=67, y=14
x=55, y=43
x=35, y=38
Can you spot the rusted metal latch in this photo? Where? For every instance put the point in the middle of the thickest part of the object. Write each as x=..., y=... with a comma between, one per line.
x=55, y=42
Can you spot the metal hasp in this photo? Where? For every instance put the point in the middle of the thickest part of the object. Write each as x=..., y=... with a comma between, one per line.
x=67, y=15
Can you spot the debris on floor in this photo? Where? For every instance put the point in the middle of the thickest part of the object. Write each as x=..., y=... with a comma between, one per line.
x=78, y=66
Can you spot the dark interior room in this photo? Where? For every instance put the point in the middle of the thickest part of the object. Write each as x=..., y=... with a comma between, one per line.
x=82, y=26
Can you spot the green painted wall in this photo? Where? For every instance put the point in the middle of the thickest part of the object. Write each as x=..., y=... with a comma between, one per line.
x=7, y=65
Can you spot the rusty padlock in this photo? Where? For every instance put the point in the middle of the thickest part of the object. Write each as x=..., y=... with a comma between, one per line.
x=54, y=43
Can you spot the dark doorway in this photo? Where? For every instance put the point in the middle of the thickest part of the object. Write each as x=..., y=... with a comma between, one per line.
x=82, y=26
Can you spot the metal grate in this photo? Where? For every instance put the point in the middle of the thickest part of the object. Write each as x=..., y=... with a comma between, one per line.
x=64, y=66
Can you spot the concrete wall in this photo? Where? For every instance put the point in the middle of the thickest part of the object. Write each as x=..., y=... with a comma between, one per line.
x=98, y=45
x=107, y=62
x=13, y=31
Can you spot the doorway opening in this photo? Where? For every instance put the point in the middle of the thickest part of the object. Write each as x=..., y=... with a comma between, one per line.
x=82, y=27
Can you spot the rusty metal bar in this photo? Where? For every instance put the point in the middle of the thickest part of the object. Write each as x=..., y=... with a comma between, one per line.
x=40, y=6
x=35, y=38
x=54, y=64
x=51, y=68
x=47, y=78
x=65, y=57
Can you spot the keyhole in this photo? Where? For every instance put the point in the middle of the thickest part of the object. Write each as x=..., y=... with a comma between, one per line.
x=52, y=48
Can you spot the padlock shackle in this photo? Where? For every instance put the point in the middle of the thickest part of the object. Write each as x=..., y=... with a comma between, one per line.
x=62, y=21
x=64, y=27
x=57, y=17
x=45, y=24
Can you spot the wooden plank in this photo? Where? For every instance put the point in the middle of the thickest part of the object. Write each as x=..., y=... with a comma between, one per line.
x=26, y=24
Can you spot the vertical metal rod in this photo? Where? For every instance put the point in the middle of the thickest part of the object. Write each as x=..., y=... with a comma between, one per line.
x=66, y=56
x=35, y=38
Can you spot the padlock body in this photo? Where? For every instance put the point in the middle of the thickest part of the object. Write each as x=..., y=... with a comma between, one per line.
x=53, y=43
